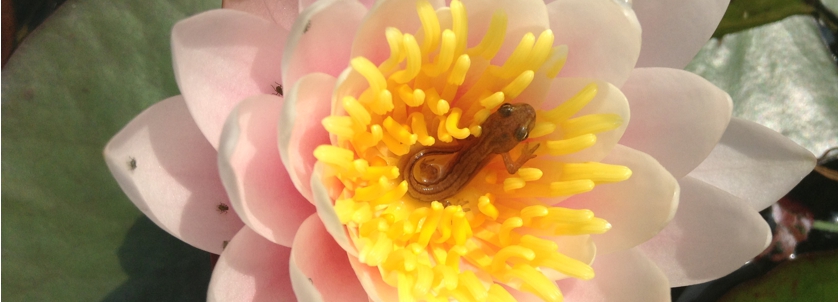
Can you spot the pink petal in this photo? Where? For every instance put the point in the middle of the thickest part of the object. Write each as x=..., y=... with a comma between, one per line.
x=320, y=270
x=609, y=99
x=367, y=3
x=252, y=171
x=325, y=204
x=306, y=3
x=303, y=4
x=282, y=12
x=370, y=41
x=523, y=16
x=221, y=57
x=713, y=234
x=623, y=276
x=755, y=164
x=674, y=31
x=677, y=117
x=301, y=129
x=174, y=178
x=251, y=268
x=321, y=39
x=370, y=278
x=637, y=208
x=603, y=38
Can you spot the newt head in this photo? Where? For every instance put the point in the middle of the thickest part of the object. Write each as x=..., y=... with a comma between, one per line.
x=509, y=125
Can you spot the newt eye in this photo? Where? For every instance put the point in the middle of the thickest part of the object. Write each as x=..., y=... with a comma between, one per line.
x=521, y=133
x=505, y=110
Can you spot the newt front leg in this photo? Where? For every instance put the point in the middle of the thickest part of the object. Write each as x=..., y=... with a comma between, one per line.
x=526, y=154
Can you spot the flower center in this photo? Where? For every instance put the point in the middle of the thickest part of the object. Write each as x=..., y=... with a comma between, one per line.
x=426, y=199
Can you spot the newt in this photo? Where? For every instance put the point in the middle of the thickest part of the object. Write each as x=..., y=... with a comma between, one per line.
x=502, y=131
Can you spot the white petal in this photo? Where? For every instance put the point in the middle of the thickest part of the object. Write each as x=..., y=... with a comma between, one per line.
x=677, y=117
x=637, y=208
x=321, y=39
x=256, y=180
x=301, y=129
x=609, y=99
x=373, y=284
x=755, y=164
x=168, y=169
x=623, y=276
x=220, y=58
x=603, y=38
x=282, y=12
x=326, y=208
x=320, y=269
x=713, y=234
x=674, y=31
x=523, y=16
x=251, y=268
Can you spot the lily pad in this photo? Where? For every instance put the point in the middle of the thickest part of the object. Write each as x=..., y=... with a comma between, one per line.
x=780, y=75
x=68, y=231
x=745, y=14
x=808, y=278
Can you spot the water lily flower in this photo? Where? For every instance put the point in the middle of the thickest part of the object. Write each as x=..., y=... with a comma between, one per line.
x=474, y=150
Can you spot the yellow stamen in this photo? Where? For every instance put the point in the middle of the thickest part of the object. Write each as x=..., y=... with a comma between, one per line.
x=339, y=125
x=499, y=294
x=430, y=25
x=493, y=40
x=573, y=187
x=473, y=285
x=417, y=123
x=519, y=84
x=414, y=61
x=394, y=39
x=515, y=63
x=370, y=72
x=572, y=145
x=542, y=129
x=530, y=174
x=436, y=93
x=356, y=111
x=486, y=207
x=499, y=261
x=451, y=125
x=592, y=123
x=507, y=227
x=513, y=183
x=458, y=73
x=492, y=101
x=459, y=25
x=446, y=55
x=597, y=172
x=572, y=106
x=399, y=132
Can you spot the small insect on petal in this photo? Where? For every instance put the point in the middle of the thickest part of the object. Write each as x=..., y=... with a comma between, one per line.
x=224, y=244
x=277, y=89
x=222, y=208
x=132, y=163
x=308, y=26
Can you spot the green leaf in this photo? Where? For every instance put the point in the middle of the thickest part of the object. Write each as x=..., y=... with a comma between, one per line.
x=807, y=278
x=68, y=231
x=780, y=75
x=745, y=14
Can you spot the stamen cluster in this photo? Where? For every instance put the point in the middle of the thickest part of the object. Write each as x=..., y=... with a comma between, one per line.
x=433, y=90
